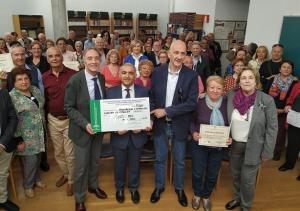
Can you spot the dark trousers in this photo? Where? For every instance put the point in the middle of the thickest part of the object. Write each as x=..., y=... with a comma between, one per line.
x=206, y=162
x=293, y=146
x=129, y=156
x=281, y=135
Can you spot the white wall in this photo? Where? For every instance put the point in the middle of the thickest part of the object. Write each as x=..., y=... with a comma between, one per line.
x=160, y=7
x=232, y=10
x=28, y=7
x=265, y=20
x=205, y=7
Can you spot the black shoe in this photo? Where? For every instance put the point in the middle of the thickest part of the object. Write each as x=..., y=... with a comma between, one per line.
x=232, y=204
x=9, y=206
x=155, y=196
x=298, y=178
x=284, y=167
x=135, y=196
x=120, y=197
x=181, y=198
x=44, y=167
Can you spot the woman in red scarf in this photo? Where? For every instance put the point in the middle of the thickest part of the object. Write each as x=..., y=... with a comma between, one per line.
x=280, y=89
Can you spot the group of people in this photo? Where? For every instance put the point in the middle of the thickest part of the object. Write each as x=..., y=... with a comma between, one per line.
x=42, y=99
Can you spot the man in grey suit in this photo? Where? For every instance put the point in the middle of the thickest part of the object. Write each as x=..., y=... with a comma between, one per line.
x=82, y=87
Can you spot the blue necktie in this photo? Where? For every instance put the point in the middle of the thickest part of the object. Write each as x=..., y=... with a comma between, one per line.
x=128, y=93
x=96, y=89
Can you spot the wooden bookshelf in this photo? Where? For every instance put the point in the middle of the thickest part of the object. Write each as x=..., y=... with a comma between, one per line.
x=98, y=21
x=123, y=22
x=34, y=24
x=77, y=21
x=147, y=23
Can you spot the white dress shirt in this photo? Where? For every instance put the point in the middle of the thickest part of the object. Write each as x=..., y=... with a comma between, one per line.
x=195, y=61
x=90, y=84
x=136, y=64
x=171, y=86
x=131, y=91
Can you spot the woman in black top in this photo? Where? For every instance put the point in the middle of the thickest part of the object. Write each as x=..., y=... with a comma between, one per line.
x=37, y=59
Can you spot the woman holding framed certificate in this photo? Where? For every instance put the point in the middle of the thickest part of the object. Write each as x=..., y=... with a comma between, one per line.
x=206, y=160
x=253, y=118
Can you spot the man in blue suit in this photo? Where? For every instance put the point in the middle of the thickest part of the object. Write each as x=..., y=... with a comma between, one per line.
x=127, y=145
x=173, y=98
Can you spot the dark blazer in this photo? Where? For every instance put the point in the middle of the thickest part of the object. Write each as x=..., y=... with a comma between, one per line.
x=8, y=121
x=263, y=127
x=152, y=58
x=184, y=101
x=78, y=108
x=43, y=66
x=203, y=69
x=138, y=139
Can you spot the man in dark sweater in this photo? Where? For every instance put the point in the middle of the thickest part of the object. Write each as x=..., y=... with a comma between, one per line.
x=271, y=67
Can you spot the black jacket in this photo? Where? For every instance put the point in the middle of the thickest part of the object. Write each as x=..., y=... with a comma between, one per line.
x=8, y=121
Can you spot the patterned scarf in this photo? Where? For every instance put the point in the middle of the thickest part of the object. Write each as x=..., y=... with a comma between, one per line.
x=280, y=87
x=216, y=117
x=242, y=102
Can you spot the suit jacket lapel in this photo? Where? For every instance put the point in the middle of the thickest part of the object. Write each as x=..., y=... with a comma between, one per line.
x=255, y=113
x=136, y=91
x=84, y=86
x=164, y=82
x=178, y=86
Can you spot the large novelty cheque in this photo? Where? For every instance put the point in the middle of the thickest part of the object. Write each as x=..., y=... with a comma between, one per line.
x=120, y=114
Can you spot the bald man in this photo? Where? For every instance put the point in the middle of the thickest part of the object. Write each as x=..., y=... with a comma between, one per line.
x=55, y=82
x=173, y=98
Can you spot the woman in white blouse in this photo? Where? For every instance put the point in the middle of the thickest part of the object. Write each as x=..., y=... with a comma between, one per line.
x=252, y=114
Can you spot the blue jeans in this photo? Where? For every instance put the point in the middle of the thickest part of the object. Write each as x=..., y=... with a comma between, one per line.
x=161, y=144
x=205, y=161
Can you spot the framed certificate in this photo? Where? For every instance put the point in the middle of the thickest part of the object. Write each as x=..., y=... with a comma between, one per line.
x=120, y=114
x=6, y=63
x=214, y=136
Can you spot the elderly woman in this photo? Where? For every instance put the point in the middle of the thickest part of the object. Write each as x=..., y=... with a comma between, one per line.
x=145, y=68
x=111, y=70
x=252, y=114
x=261, y=55
x=230, y=80
x=136, y=54
x=281, y=86
x=37, y=59
x=29, y=103
x=206, y=161
x=293, y=131
x=78, y=53
x=241, y=53
x=163, y=57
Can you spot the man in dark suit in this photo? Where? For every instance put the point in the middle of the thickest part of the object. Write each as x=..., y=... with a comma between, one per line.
x=82, y=87
x=127, y=145
x=200, y=63
x=174, y=94
x=8, y=125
